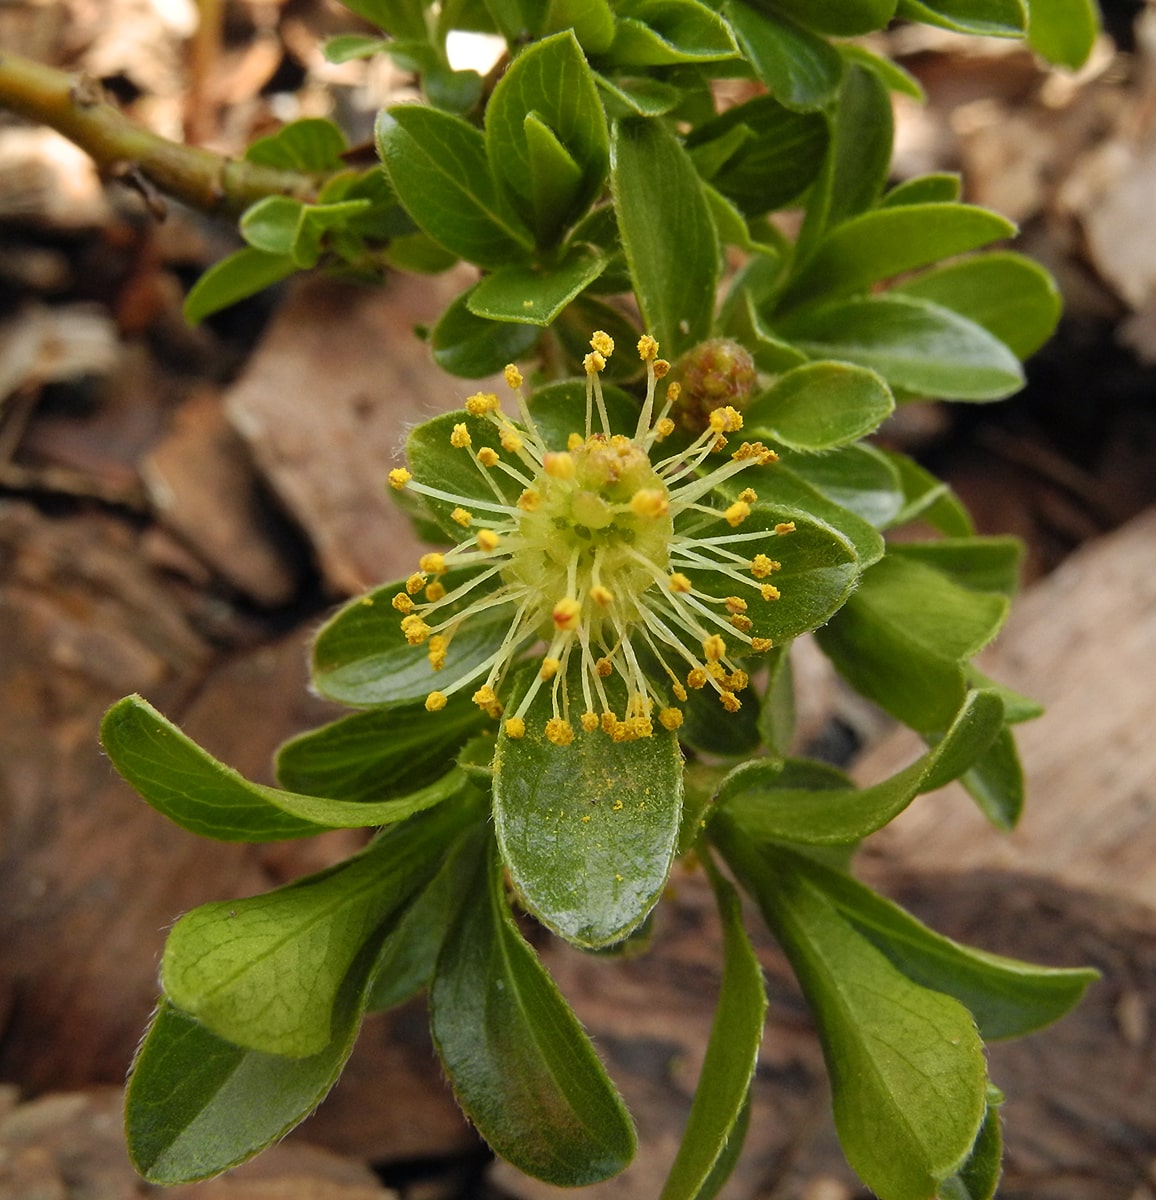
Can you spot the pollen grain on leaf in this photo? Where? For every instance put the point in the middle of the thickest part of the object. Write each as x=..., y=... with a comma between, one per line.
x=612, y=569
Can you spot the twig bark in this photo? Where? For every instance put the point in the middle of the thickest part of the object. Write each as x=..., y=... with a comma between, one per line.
x=75, y=107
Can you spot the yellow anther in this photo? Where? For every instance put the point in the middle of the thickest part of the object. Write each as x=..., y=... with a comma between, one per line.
x=649, y=502
x=678, y=582
x=435, y=702
x=575, y=441
x=549, y=668
x=460, y=437
x=601, y=596
x=589, y=721
x=513, y=376
x=769, y=592
x=748, y=495
x=566, y=613
x=670, y=718
x=515, y=727
x=621, y=731
x=737, y=513
x=437, y=651
x=511, y=440
x=435, y=591
x=485, y=697
x=713, y=648
x=558, y=464
x=785, y=527
x=462, y=517
x=661, y=368
x=736, y=604
x=730, y=701
x=488, y=456
x=398, y=478
x=762, y=566
x=487, y=540
x=415, y=583
x=481, y=403
x=594, y=362
x=716, y=671
x=609, y=722
x=604, y=668
x=403, y=603
x=758, y=645
x=679, y=692
x=602, y=343
x=673, y=391
x=696, y=678
x=737, y=681
x=560, y=732
x=640, y=727
x=415, y=629
x=647, y=347
x=726, y=419
x=741, y=623
x=664, y=428
x=432, y=564
x=529, y=500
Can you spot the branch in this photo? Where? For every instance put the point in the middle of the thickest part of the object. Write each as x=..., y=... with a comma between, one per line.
x=75, y=107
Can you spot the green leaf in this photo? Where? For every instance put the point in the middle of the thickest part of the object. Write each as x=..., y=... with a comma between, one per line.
x=901, y=637
x=546, y=134
x=418, y=254
x=978, y=1178
x=885, y=242
x=559, y=409
x=453, y=91
x=409, y=954
x=928, y=499
x=988, y=18
x=310, y=144
x=996, y=782
x=196, y=1104
x=235, y=278
x=940, y=187
x=638, y=96
x=348, y=47
x=1017, y=707
x=378, y=755
x=915, y=345
x=438, y=167
x=732, y=736
x=893, y=77
x=520, y=1064
x=271, y=224
x=1007, y=998
x=820, y=406
x=591, y=20
x=200, y=794
x=987, y=564
x=818, y=567
x=437, y=463
x=753, y=799
x=777, y=713
x=1009, y=295
x=731, y=1056
x=472, y=347
x=776, y=162
x=532, y=295
x=402, y=18
x=361, y=657
x=838, y=18
x=667, y=232
x=858, y=155
x=316, y=221
x=265, y=972
x=587, y=831
x=800, y=70
x=860, y=478
x=652, y=33
x=1063, y=31
x=906, y=1064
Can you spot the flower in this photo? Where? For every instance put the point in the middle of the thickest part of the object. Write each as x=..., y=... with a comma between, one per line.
x=620, y=569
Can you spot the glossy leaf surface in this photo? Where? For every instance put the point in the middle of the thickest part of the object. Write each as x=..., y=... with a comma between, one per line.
x=519, y=1062
x=799, y=68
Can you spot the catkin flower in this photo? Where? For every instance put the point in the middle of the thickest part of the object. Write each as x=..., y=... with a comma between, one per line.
x=609, y=562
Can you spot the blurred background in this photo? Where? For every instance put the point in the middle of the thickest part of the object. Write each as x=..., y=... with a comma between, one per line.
x=179, y=508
